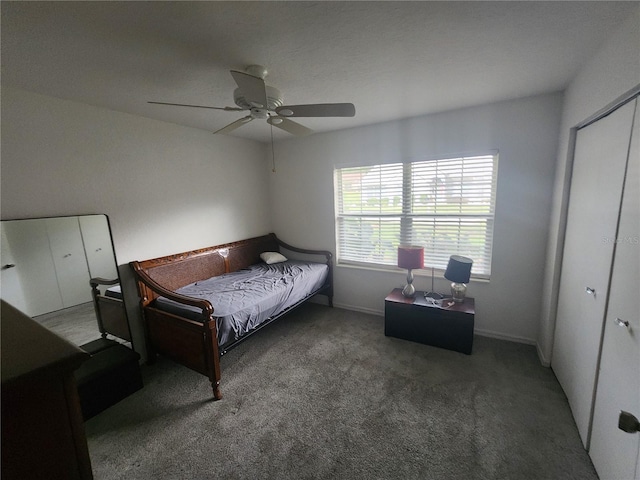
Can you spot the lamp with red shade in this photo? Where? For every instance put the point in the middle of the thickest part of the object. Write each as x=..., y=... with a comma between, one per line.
x=410, y=257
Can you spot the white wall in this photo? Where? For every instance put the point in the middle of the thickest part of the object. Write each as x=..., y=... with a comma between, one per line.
x=525, y=132
x=614, y=70
x=165, y=188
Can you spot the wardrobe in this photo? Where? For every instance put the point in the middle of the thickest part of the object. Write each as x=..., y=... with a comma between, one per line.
x=596, y=351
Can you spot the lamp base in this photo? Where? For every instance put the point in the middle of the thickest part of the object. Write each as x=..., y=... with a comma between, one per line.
x=458, y=292
x=409, y=291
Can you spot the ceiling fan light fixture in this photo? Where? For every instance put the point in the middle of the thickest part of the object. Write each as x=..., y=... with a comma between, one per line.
x=276, y=120
x=285, y=111
x=259, y=113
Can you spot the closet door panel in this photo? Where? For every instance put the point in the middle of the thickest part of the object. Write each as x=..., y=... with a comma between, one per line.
x=34, y=269
x=614, y=452
x=11, y=289
x=97, y=245
x=594, y=203
x=69, y=258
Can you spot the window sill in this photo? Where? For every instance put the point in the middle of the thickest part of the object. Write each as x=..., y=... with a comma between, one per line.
x=416, y=273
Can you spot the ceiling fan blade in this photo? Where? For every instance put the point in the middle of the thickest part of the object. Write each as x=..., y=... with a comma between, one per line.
x=289, y=126
x=227, y=109
x=253, y=88
x=237, y=124
x=318, y=110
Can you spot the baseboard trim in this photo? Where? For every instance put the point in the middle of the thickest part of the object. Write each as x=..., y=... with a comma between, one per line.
x=477, y=331
x=546, y=362
x=503, y=336
x=372, y=311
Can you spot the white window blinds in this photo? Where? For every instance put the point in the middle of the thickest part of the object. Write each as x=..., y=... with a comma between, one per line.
x=446, y=205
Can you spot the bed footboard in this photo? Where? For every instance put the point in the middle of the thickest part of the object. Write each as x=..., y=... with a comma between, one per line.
x=193, y=344
x=190, y=343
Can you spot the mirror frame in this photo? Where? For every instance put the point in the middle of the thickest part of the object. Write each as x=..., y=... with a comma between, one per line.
x=96, y=295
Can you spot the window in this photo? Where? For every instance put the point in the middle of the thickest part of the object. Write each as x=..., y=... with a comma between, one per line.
x=445, y=205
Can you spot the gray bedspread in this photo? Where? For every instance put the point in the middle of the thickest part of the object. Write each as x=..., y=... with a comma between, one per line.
x=244, y=299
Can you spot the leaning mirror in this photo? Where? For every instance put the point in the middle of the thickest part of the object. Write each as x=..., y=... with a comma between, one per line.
x=62, y=272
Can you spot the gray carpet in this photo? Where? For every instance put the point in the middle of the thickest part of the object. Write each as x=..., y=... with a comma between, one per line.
x=324, y=394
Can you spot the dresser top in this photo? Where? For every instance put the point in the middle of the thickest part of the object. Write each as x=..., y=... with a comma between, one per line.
x=419, y=299
x=29, y=348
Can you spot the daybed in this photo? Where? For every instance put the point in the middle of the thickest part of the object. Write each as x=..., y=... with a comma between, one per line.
x=198, y=305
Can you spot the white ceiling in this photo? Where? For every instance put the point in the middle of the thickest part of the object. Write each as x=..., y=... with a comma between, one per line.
x=391, y=59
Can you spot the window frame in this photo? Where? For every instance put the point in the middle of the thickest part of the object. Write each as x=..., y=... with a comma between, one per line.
x=408, y=214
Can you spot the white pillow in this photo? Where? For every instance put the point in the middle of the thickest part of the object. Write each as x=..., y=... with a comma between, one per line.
x=272, y=257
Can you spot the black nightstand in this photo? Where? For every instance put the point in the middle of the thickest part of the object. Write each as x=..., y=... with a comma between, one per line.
x=415, y=319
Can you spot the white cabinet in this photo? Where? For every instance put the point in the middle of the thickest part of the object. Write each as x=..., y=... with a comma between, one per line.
x=596, y=352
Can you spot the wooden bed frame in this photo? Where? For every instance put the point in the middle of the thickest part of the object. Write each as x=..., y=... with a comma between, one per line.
x=194, y=344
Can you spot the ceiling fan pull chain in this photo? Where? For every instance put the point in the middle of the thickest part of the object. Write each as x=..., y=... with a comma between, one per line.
x=273, y=156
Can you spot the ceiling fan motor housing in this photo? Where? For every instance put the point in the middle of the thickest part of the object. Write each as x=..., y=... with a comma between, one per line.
x=274, y=99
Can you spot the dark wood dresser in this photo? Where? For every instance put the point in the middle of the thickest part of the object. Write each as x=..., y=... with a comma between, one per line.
x=42, y=427
x=448, y=325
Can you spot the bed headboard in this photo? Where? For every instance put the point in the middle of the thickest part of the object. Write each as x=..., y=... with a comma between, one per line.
x=175, y=271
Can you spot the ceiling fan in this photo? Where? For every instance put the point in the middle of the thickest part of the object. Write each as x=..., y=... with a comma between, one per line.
x=265, y=102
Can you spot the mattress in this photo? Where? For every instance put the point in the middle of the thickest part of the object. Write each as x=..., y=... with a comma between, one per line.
x=245, y=299
x=114, y=292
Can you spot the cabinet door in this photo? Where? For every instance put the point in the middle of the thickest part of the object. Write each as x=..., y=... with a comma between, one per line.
x=614, y=452
x=97, y=244
x=34, y=271
x=12, y=291
x=69, y=258
x=594, y=204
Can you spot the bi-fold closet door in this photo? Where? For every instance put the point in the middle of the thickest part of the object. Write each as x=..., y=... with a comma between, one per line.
x=44, y=265
x=596, y=350
x=618, y=386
